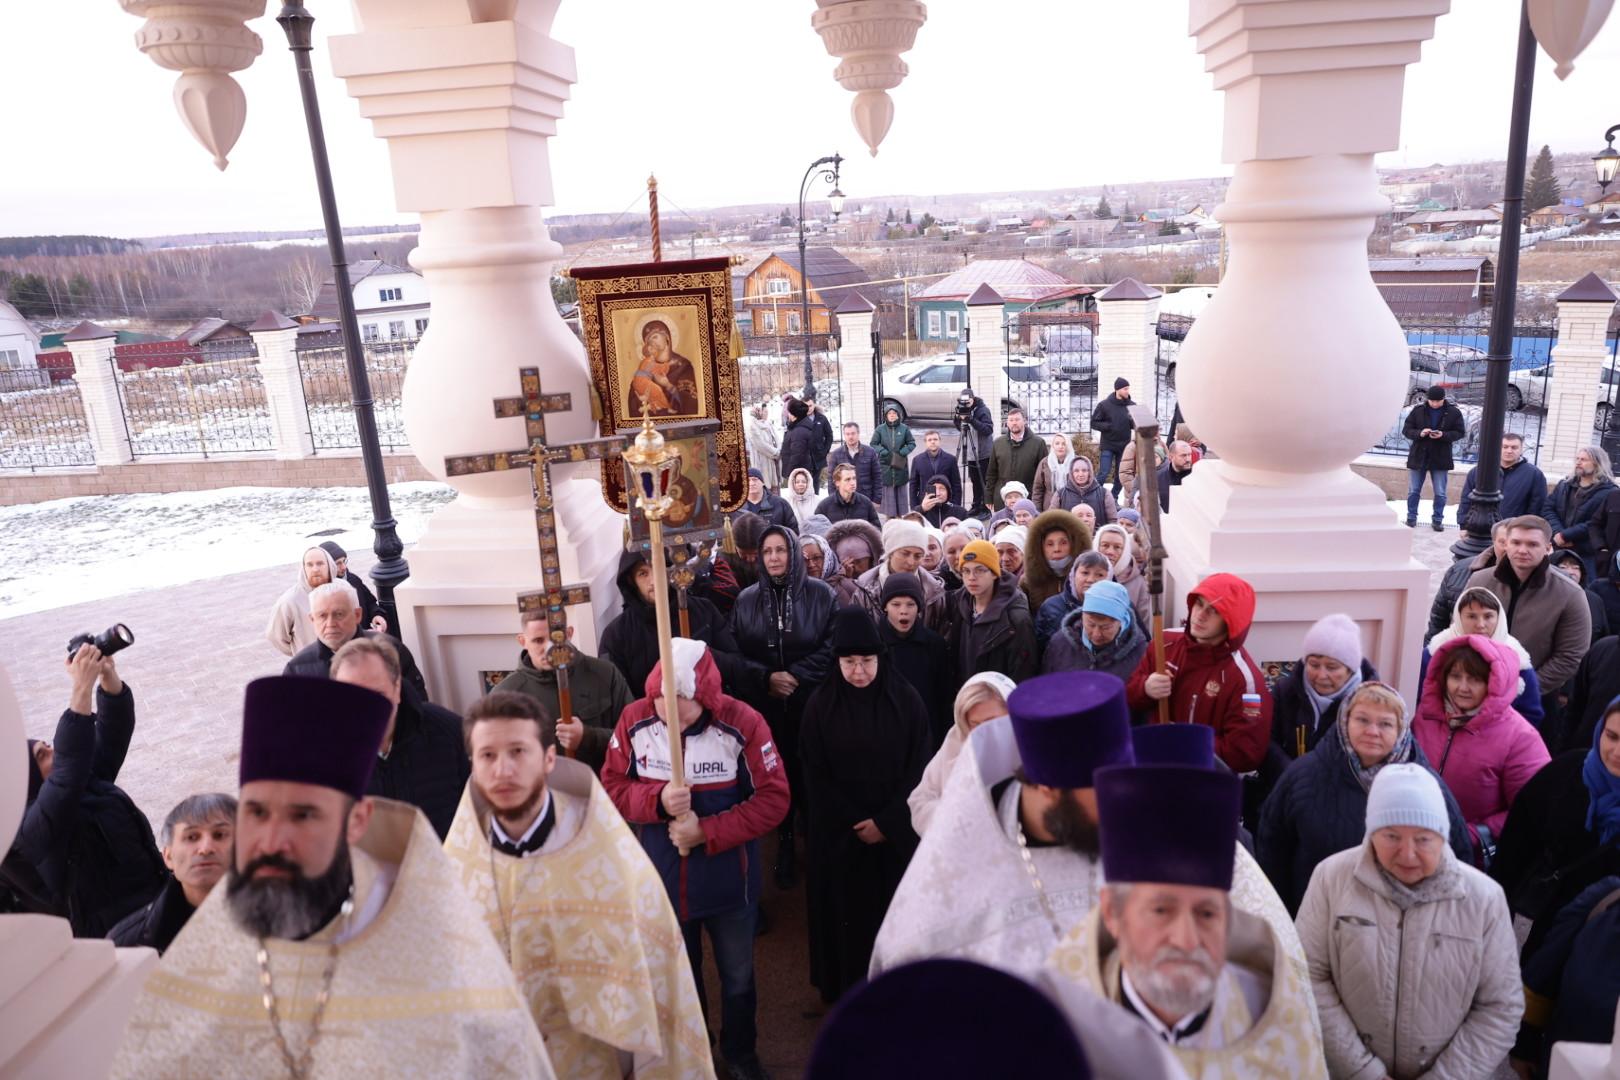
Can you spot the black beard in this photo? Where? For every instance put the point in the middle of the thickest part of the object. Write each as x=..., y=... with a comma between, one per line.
x=1067, y=822
x=289, y=908
x=519, y=813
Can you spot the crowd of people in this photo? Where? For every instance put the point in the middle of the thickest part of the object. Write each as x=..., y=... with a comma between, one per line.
x=929, y=697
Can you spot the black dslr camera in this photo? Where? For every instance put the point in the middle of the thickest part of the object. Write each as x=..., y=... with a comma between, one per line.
x=964, y=408
x=115, y=638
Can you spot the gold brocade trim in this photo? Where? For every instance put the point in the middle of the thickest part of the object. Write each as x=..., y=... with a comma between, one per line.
x=723, y=391
x=404, y=1006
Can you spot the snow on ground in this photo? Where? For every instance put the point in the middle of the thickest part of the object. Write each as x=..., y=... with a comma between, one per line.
x=68, y=551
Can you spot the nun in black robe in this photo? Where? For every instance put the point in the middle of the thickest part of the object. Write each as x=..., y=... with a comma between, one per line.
x=863, y=744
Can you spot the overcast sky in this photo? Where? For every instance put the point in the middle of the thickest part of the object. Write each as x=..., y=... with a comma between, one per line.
x=727, y=101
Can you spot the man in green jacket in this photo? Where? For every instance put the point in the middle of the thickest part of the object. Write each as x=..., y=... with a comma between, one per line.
x=1015, y=455
x=598, y=691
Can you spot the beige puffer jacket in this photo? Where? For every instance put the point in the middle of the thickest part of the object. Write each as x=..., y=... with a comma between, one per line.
x=1421, y=984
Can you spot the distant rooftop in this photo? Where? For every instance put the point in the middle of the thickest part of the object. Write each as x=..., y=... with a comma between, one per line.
x=1016, y=280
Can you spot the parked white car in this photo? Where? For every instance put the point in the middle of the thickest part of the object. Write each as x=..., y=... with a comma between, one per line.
x=929, y=387
x=1527, y=389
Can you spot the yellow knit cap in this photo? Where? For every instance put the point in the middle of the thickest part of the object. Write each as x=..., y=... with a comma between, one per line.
x=982, y=551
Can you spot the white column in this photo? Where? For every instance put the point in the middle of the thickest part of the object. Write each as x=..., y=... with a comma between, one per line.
x=987, y=342
x=467, y=107
x=856, y=393
x=1313, y=90
x=1575, y=385
x=277, y=339
x=1127, y=338
x=92, y=347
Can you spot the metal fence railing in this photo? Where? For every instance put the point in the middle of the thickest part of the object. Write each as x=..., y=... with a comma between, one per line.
x=327, y=397
x=208, y=407
x=767, y=376
x=42, y=424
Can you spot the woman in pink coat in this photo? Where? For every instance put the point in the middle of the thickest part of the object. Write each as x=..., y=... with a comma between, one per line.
x=1481, y=747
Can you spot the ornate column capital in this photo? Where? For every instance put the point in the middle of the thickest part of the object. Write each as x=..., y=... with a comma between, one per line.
x=1310, y=76
x=868, y=37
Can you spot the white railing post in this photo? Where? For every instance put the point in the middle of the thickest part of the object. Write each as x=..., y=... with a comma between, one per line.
x=1127, y=339
x=1574, y=387
x=857, y=396
x=93, y=348
x=277, y=339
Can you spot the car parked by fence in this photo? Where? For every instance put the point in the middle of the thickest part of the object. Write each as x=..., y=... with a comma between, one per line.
x=1528, y=389
x=1070, y=351
x=1458, y=369
x=929, y=387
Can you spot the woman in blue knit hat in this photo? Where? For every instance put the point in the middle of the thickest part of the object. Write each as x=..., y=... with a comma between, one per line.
x=1103, y=634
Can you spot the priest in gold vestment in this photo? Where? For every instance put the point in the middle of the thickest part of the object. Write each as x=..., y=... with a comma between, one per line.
x=575, y=904
x=341, y=945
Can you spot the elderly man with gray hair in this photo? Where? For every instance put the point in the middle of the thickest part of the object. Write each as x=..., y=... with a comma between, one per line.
x=196, y=845
x=334, y=610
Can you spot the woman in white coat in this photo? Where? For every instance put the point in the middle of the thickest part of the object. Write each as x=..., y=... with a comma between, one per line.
x=1411, y=953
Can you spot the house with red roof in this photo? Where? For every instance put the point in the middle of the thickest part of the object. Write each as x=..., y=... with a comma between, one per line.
x=940, y=310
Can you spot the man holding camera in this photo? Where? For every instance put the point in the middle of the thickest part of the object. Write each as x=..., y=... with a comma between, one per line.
x=976, y=428
x=86, y=839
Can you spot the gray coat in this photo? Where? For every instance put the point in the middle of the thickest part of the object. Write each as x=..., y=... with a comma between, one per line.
x=1550, y=617
x=1423, y=982
x=1066, y=652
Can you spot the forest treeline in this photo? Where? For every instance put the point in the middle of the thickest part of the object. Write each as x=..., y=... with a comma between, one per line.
x=229, y=281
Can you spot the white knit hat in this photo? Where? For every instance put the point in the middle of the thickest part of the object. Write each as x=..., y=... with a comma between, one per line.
x=900, y=533
x=1336, y=637
x=1016, y=535
x=1407, y=795
x=1014, y=485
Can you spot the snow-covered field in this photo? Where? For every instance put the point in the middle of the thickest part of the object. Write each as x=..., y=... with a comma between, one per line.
x=68, y=551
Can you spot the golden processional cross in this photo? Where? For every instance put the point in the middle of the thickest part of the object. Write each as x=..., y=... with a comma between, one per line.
x=554, y=598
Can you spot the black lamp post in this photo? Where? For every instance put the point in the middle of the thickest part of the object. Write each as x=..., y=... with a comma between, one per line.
x=1607, y=164
x=1486, y=499
x=390, y=568
x=836, y=199
x=1607, y=161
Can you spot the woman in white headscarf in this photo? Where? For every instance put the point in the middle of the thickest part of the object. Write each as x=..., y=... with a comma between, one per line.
x=801, y=495
x=1479, y=611
x=983, y=697
x=1050, y=476
x=764, y=448
x=1114, y=542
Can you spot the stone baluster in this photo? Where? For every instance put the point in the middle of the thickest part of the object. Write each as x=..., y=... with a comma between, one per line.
x=482, y=86
x=1313, y=91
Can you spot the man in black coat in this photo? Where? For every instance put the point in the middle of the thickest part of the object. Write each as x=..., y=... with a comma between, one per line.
x=423, y=756
x=196, y=842
x=918, y=653
x=630, y=642
x=1596, y=683
x=1432, y=427
x=767, y=504
x=977, y=429
x=822, y=429
x=937, y=505
x=334, y=608
x=845, y=503
x=800, y=443
x=1112, y=420
x=1524, y=487
x=86, y=839
x=930, y=463
x=1177, y=464
x=783, y=624
x=864, y=460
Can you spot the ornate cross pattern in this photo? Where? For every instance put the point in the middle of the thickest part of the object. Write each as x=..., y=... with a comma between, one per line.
x=554, y=598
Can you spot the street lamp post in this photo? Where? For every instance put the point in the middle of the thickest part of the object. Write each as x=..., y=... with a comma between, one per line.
x=836, y=200
x=1486, y=499
x=1607, y=164
x=390, y=568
